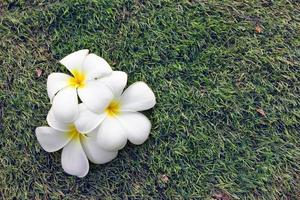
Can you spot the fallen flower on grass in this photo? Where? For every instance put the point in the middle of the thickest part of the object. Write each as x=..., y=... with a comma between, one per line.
x=63, y=89
x=98, y=127
x=120, y=120
x=77, y=147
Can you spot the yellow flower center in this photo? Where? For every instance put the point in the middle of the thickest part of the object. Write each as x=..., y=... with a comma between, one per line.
x=73, y=133
x=113, y=108
x=78, y=79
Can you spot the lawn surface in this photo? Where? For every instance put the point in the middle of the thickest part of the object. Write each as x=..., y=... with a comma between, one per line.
x=226, y=77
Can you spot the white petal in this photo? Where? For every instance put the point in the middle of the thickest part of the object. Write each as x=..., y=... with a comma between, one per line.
x=111, y=135
x=65, y=105
x=93, y=133
x=95, y=96
x=137, y=97
x=116, y=82
x=50, y=139
x=137, y=126
x=87, y=120
x=54, y=123
x=74, y=60
x=95, y=153
x=74, y=160
x=56, y=82
x=95, y=67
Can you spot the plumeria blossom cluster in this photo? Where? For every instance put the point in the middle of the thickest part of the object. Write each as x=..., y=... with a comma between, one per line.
x=92, y=116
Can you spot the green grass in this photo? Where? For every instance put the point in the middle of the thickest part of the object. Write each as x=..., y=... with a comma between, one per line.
x=210, y=71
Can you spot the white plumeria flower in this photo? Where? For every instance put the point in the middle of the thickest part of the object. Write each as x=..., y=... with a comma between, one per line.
x=120, y=120
x=63, y=89
x=77, y=147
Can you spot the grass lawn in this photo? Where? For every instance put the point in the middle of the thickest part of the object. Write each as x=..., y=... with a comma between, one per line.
x=227, y=81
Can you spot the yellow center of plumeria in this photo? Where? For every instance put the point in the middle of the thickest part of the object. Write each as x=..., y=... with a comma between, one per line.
x=78, y=79
x=74, y=134
x=113, y=108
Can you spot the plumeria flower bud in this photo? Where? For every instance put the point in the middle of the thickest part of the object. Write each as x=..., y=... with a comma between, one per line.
x=120, y=120
x=77, y=147
x=63, y=90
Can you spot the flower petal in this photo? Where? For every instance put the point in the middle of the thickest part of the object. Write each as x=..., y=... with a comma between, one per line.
x=65, y=105
x=95, y=96
x=54, y=123
x=87, y=120
x=50, y=139
x=137, y=97
x=116, y=81
x=111, y=135
x=74, y=160
x=93, y=133
x=56, y=82
x=95, y=67
x=137, y=126
x=95, y=153
x=74, y=60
